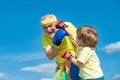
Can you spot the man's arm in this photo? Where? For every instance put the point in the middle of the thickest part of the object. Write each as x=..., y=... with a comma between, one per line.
x=69, y=28
x=50, y=51
x=70, y=33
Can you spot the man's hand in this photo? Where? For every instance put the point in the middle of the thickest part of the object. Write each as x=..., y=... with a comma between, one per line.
x=66, y=55
x=59, y=35
x=60, y=24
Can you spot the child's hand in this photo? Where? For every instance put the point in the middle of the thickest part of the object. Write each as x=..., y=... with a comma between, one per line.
x=66, y=55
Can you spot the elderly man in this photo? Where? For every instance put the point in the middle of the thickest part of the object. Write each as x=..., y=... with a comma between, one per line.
x=55, y=39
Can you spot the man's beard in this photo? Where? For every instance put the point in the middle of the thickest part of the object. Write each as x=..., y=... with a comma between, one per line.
x=52, y=33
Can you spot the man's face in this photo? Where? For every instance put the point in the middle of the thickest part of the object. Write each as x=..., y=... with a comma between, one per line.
x=50, y=29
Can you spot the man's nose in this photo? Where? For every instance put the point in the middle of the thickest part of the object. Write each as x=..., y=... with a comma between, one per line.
x=49, y=29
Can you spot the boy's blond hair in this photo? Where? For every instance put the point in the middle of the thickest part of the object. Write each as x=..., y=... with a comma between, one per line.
x=88, y=35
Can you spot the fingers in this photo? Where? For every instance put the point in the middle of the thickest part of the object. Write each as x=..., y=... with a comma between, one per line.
x=60, y=24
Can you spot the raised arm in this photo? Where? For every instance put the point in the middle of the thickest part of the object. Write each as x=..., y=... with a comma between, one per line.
x=70, y=29
x=50, y=51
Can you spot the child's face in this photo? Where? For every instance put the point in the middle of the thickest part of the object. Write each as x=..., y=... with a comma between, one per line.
x=79, y=41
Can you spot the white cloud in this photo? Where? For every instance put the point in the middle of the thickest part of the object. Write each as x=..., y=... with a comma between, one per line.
x=113, y=47
x=2, y=75
x=116, y=77
x=46, y=79
x=24, y=57
x=32, y=56
x=46, y=68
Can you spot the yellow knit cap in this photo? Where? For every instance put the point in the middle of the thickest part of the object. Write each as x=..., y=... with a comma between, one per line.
x=47, y=21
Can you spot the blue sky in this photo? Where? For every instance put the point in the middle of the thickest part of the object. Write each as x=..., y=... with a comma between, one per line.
x=21, y=53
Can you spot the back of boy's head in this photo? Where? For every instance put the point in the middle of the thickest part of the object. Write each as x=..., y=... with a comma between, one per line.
x=88, y=35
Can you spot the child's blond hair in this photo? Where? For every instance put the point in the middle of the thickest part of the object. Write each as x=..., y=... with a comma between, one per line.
x=88, y=35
